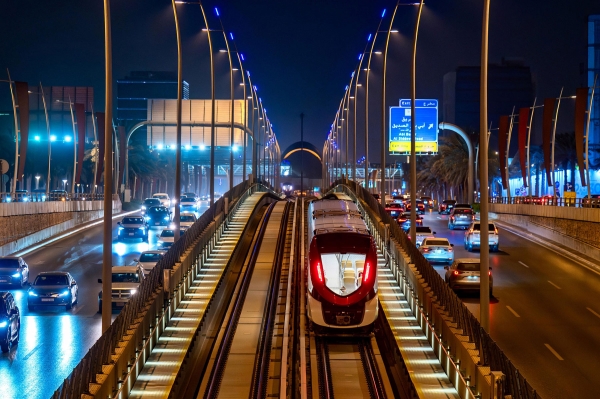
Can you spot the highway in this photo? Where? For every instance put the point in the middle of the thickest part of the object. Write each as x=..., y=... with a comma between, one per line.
x=54, y=340
x=544, y=313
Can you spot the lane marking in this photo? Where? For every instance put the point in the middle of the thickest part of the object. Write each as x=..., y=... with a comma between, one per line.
x=570, y=256
x=27, y=356
x=524, y=264
x=555, y=353
x=594, y=313
x=554, y=284
x=60, y=237
x=512, y=311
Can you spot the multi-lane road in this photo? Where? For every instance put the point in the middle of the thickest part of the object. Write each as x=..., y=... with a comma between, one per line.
x=545, y=312
x=54, y=340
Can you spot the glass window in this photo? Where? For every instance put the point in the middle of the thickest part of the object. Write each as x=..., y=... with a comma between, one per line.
x=150, y=257
x=468, y=267
x=125, y=278
x=437, y=242
x=459, y=211
x=51, y=279
x=9, y=263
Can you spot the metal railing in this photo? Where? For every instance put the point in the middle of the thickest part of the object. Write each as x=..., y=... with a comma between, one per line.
x=37, y=196
x=100, y=354
x=491, y=355
x=584, y=202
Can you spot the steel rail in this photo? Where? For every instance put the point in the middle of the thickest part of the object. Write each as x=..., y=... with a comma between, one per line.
x=218, y=369
x=260, y=378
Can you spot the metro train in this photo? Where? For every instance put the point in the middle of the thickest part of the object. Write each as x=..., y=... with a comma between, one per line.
x=342, y=266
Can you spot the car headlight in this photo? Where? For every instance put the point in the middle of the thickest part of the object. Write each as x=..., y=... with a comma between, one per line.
x=142, y=228
x=3, y=324
x=120, y=228
x=17, y=274
x=166, y=218
x=160, y=242
x=25, y=199
x=143, y=207
x=32, y=293
x=133, y=291
x=65, y=292
x=7, y=200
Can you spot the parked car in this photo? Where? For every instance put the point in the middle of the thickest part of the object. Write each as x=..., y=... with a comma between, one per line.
x=167, y=238
x=164, y=198
x=10, y=321
x=125, y=283
x=13, y=271
x=188, y=204
x=158, y=216
x=445, y=207
x=464, y=274
x=404, y=221
x=149, y=259
x=422, y=232
x=53, y=289
x=149, y=202
x=462, y=205
x=437, y=250
x=472, y=237
x=187, y=219
x=133, y=227
x=592, y=202
x=460, y=217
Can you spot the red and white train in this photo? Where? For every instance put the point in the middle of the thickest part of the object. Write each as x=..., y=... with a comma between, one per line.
x=342, y=265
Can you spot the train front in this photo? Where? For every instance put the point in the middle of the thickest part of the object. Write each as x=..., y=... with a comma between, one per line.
x=342, y=283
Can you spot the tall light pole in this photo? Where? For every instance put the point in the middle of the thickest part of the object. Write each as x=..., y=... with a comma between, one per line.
x=108, y=165
x=484, y=291
x=177, y=192
x=383, y=108
x=212, y=110
x=49, y=139
x=413, y=149
x=14, y=104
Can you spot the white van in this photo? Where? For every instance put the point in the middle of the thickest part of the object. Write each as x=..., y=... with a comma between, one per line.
x=164, y=199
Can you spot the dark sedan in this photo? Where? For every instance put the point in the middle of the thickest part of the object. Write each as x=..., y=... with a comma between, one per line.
x=53, y=289
x=158, y=216
x=133, y=227
x=404, y=221
x=148, y=202
x=13, y=270
x=10, y=321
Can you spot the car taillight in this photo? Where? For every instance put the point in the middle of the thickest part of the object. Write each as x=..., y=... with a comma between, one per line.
x=456, y=273
x=489, y=272
x=496, y=231
x=450, y=249
x=425, y=249
x=472, y=217
x=452, y=218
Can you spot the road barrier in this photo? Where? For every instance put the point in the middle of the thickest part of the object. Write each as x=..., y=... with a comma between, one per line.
x=469, y=356
x=112, y=364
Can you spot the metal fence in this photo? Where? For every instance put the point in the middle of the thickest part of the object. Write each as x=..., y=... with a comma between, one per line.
x=491, y=355
x=77, y=383
x=593, y=202
x=40, y=196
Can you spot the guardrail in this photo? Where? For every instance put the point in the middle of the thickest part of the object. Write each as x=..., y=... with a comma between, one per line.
x=51, y=196
x=432, y=291
x=584, y=202
x=105, y=371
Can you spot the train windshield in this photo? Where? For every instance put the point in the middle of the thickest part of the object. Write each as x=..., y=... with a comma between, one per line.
x=343, y=257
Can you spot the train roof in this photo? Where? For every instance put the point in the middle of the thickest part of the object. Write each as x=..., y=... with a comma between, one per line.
x=336, y=216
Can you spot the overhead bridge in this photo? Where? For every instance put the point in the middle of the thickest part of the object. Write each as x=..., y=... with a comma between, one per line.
x=223, y=315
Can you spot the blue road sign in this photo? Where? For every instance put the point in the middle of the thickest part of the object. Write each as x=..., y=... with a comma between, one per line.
x=426, y=128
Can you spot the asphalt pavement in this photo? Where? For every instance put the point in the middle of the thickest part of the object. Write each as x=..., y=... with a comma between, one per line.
x=53, y=340
x=544, y=314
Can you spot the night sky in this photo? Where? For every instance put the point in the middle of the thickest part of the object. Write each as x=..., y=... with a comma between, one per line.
x=300, y=52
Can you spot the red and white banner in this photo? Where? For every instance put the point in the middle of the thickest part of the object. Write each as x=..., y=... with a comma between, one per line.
x=502, y=138
x=547, y=136
x=523, y=121
x=23, y=101
x=581, y=98
x=100, y=125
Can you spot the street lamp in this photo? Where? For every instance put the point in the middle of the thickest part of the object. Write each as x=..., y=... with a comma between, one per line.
x=37, y=182
x=67, y=139
x=64, y=184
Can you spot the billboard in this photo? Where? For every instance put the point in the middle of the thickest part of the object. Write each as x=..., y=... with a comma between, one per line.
x=426, y=128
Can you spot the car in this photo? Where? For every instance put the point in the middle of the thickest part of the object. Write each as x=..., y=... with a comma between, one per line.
x=428, y=202
x=188, y=204
x=464, y=274
x=10, y=321
x=149, y=259
x=158, y=216
x=149, y=202
x=592, y=202
x=394, y=209
x=187, y=219
x=463, y=205
x=204, y=198
x=13, y=271
x=404, y=221
x=446, y=206
x=190, y=195
x=420, y=207
x=164, y=199
x=437, y=250
x=460, y=217
x=53, y=289
x=125, y=283
x=423, y=232
x=548, y=200
x=472, y=237
x=532, y=200
x=133, y=227
x=167, y=237
x=22, y=196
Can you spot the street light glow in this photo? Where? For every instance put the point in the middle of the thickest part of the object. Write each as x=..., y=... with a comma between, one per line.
x=217, y=11
x=36, y=138
x=187, y=147
x=159, y=147
x=68, y=139
x=53, y=138
x=383, y=13
x=231, y=35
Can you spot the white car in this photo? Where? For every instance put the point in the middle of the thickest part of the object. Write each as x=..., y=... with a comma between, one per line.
x=125, y=283
x=167, y=238
x=164, y=199
x=149, y=259
x=187, y=219
x=472, y=237
x=437, y=250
